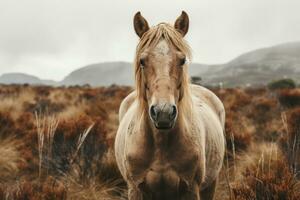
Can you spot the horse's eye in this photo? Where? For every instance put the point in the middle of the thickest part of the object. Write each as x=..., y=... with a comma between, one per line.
x=182, y=61
x=142, y=62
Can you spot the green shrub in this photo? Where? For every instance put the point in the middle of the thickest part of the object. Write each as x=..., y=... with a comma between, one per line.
x=289, y=98
x=282, y=84
x=196, y=80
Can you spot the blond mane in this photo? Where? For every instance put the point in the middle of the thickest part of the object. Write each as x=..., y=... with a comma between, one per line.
x=149, y=40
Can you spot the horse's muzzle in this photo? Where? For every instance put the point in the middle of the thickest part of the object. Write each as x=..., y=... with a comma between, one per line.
x=163, y=115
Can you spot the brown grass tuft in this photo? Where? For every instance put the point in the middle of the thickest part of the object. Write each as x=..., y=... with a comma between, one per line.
x=237, y=135
x=10, y=158
x=290, y=139
x=267, y=182
x=289, y=98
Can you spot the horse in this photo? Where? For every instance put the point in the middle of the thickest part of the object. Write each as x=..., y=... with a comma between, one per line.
x=170, y=140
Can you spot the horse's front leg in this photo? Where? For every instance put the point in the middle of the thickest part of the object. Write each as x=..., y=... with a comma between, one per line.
x=209, y=192
x=134, y=193
x=192, y=193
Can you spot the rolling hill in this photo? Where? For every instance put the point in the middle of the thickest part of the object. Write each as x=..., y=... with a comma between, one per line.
x=120, y=73
x=257, y=67
x=21, y=78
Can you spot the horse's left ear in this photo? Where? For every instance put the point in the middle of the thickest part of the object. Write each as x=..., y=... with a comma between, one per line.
x=182, y=23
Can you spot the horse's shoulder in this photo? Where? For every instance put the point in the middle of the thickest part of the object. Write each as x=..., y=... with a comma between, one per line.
x=210, y=98
x=125, y=104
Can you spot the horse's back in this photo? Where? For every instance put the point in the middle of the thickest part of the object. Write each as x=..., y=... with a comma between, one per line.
x=212, y=114
x=125, y=104
x=126, y=112
x=209, y=98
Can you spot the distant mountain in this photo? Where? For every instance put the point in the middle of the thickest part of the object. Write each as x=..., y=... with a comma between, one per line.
x=120, y=73
x=257, y=67
x=21, y=78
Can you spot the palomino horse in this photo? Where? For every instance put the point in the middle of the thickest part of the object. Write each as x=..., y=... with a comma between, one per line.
x=170, y=142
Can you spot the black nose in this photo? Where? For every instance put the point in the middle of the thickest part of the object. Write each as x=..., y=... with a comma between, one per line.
x=154, y=112
x=163, y=115
x=173, y=112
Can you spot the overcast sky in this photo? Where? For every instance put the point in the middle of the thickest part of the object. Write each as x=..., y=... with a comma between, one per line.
x=51, y=38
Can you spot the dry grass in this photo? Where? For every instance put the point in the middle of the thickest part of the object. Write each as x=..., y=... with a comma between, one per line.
x=94, y=189
x=10, y=158
x=57, y=143
x=266, y=176
x=289, y=98
x=290, y=140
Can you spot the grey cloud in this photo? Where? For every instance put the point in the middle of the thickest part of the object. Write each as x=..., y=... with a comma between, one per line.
x=53, y=37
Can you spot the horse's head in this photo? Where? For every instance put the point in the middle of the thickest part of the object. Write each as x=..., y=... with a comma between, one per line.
x=161, y=73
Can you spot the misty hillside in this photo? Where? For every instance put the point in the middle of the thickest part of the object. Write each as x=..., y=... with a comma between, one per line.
x=120, y=73
x=21, y=78
x=257, y=67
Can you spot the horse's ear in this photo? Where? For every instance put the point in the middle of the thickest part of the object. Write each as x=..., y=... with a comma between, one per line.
x=182, y=23
x=140, y=24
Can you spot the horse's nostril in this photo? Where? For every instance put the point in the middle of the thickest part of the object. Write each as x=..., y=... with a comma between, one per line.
x=153, y=113
x=173, y=112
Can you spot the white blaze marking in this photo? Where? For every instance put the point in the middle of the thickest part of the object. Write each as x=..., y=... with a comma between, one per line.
x=162, y=50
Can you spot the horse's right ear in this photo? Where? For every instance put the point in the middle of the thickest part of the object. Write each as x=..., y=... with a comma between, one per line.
x=140, y=24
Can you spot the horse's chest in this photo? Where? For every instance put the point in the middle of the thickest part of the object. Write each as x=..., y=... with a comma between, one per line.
x=164, y=168
x=179, y=158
